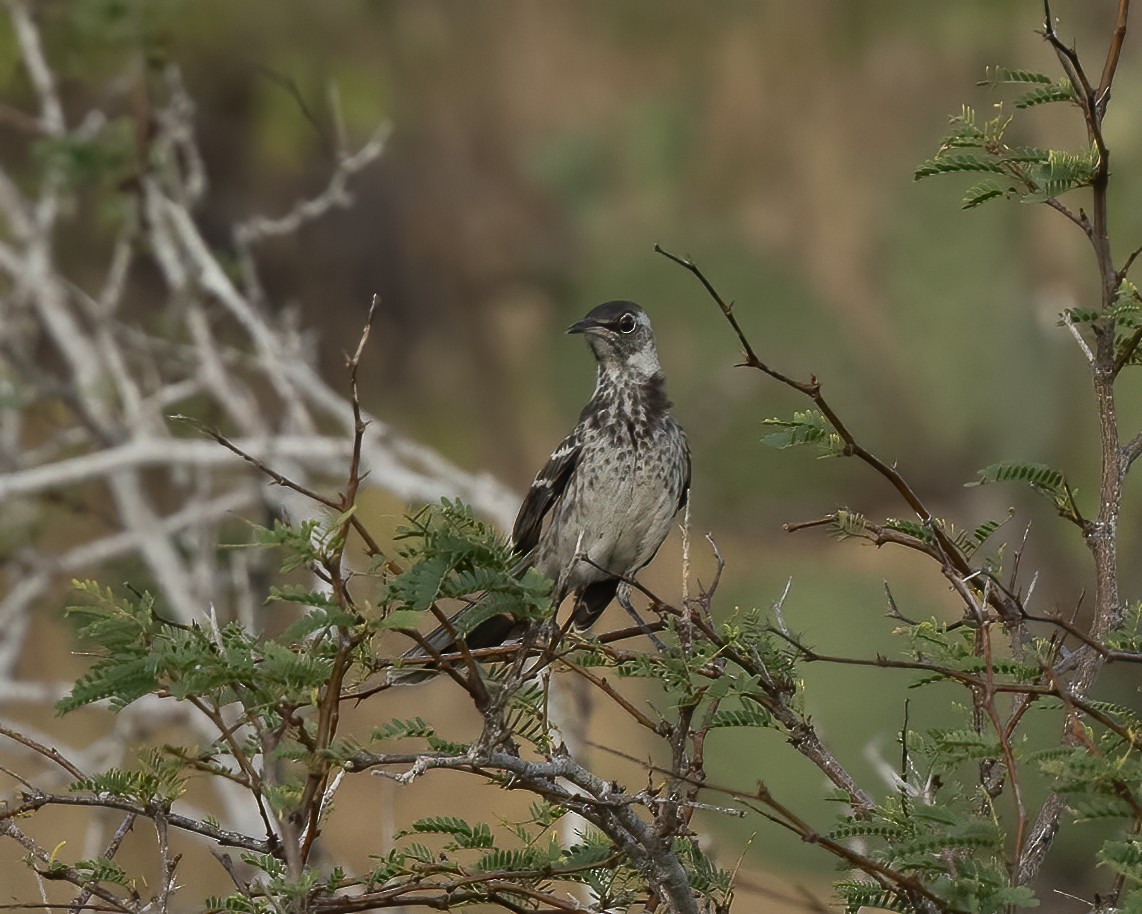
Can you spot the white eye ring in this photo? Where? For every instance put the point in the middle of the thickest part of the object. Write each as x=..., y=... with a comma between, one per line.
x=627, y=323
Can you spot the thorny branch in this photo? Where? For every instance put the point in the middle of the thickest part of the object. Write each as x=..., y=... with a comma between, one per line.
x=49, y=868
x=600, y=802
x=956, y=564
x=36, y=800
x=1030, y=845
x=85, y=430
x=1102, y=535
x=1106, y=358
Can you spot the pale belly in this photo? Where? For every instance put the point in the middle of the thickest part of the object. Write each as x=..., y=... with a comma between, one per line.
x=617, y=510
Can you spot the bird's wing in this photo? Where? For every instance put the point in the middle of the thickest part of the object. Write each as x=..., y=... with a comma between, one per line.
x=684, y=497
x=549, y=485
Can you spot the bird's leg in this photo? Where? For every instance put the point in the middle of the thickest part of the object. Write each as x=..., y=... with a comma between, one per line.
x=545, y=682
x=549, y=634
x=622, y=595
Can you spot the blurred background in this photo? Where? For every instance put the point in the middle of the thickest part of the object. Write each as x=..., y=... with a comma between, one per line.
x=539, y=151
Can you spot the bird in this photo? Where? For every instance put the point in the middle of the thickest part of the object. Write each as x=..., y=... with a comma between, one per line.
x=603, y=503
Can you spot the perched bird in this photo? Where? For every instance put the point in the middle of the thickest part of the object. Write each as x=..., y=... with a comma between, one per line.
x=603, y=503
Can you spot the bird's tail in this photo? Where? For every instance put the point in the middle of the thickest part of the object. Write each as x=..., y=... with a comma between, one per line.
x=490, y=632
x=495, y=630
x=592, y=600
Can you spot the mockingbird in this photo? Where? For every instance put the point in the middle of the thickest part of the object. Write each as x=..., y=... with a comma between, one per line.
x=604, y=501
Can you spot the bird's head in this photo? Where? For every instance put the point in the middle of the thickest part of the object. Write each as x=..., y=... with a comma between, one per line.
x=620, y=336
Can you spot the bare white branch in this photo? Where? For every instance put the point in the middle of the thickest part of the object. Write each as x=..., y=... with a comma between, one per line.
x=334, y=195
x=105, y=450
x=36, y=65
x=1074, y=331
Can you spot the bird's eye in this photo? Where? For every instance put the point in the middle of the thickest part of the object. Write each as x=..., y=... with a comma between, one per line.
x=627, y=323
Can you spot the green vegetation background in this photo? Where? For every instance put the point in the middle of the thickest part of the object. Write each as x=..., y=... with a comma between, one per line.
x=541, y=149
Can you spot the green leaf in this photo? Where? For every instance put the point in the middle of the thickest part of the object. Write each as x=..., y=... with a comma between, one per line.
x=236, y=903
x=914, y=529
x=705, y=876
x=1061, y=172
x=403, y=729
x=264, y=863
x=121, y=681
x=420, y=853
x=526, y=858
x=965, y=133
x=581, y=856
x=437, y=744
x=867, y=830
x=981, y=534
x=467, y=836
x=1090, y=808
x=455, y=556
x=1127, y=307
x=103, y=870
x=419, y=586
x=297, y=543
x=1124, y=857
x=1045, y=480
x=996, y=76
x=1036, y=474
x=948, y=164
x=748, y=716
x=963, y=744
x=1062, y=91
x=304, y=596
x=807, y=427
x=1023, y=155
x=981, y=193
x=861, y=895
x=1078, y=316
x=1128, y=635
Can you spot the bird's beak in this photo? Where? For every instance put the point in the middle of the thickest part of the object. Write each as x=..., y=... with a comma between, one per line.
x=582, y=326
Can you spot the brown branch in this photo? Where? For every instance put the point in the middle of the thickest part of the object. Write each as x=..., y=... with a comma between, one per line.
x=786, y=818
x=81, y=900
x=802, y=734
x=37, y=800
x=1101, y=534
x=1106, y=653
x=1131, y=451
x=496, y=888
x=1072, y=66
x=317, y=782
x=809, y=655
x=573, y=787
x=328, y=718
x=359, y=426
x=53, y=869
x=51, y=754
x=607, y=689
x=257, y=464
x=254, y=780
x=1114, y=52
x=988, y=695
x=810, y=388
x=954, y=558
x=1078, y=219
x=1128, y=264
x=280, y=479
x=877, y=534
